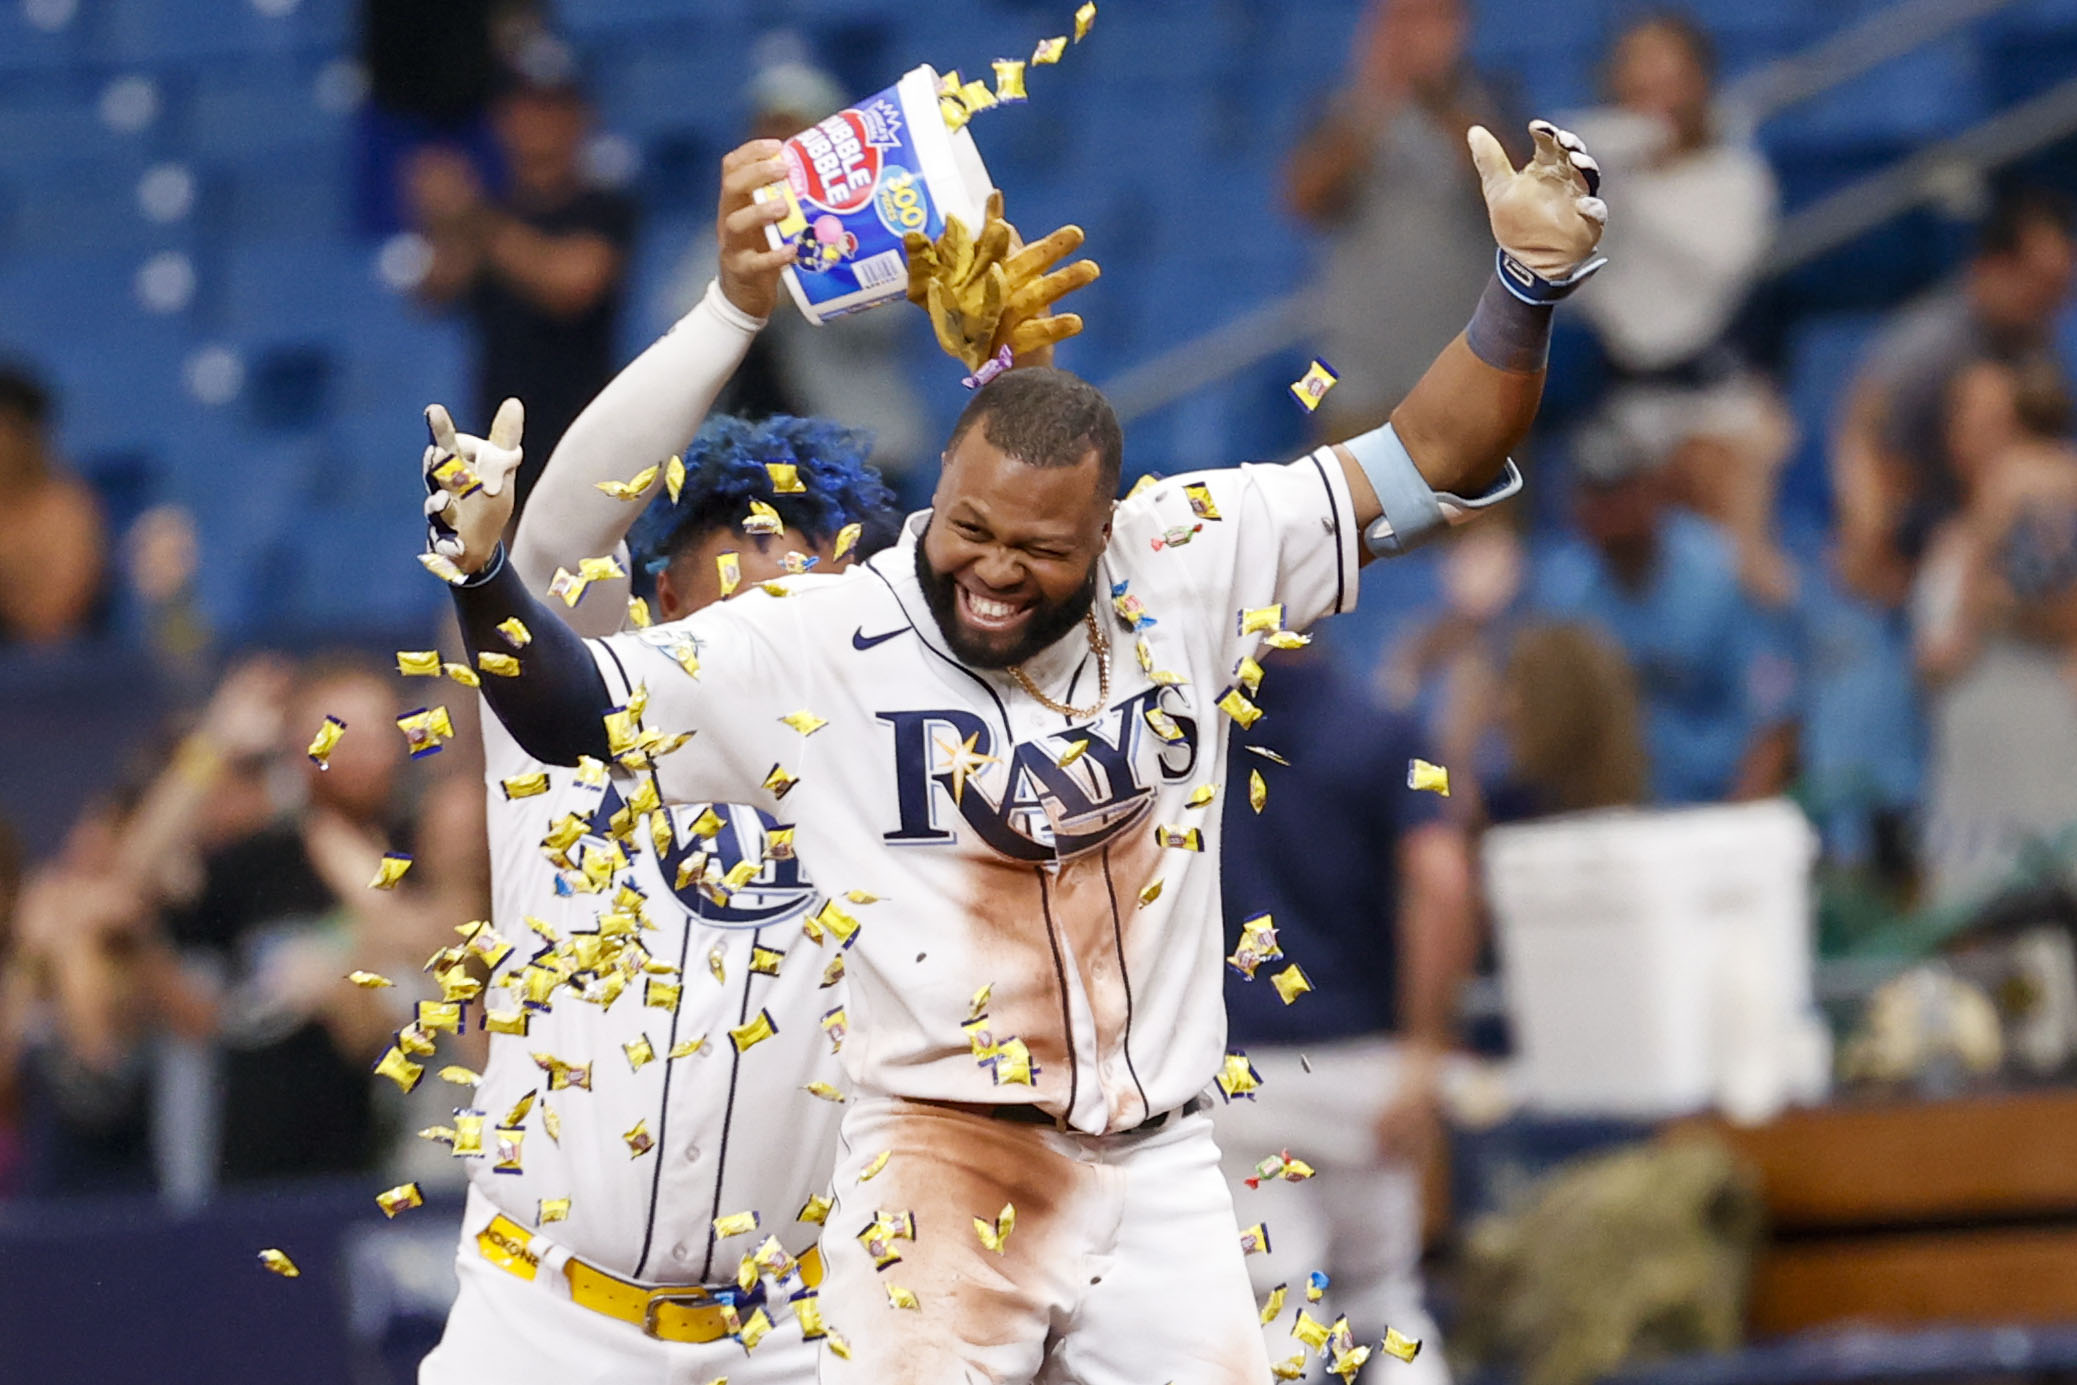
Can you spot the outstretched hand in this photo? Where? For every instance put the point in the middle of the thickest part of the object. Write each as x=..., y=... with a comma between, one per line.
x=469, y=485
x=1548, y=214
x=988, y=291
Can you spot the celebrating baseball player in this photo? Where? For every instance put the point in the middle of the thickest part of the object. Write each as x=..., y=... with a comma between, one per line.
x=998, y=744
x=593, y=1254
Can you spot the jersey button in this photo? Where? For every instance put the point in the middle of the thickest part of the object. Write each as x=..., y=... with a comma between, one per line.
x=692, y=1151
x=681, y=1252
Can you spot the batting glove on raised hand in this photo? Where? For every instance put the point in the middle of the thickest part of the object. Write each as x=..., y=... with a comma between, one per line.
x=469, y=485
x=988, y=291
x=1547, y=216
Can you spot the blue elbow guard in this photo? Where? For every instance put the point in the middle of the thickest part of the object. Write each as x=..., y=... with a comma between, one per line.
x=1414, y=511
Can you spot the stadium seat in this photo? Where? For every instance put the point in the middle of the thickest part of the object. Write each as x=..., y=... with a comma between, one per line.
x=259, y=113
x=25, y=48
x=160, y=33
x=1927, y=94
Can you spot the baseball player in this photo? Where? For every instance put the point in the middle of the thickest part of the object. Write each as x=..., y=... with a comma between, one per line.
x=1000, y=742
x=596, y=1250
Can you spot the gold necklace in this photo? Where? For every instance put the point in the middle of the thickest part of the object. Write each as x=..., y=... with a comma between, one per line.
x=1102, y=647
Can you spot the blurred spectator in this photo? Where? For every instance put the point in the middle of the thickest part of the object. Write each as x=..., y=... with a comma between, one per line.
x=1569, y=715
x=1698, y=213
x=1664, y=584
x=1386, y=175
x=432, y=70
x=92, y=979
x=282, y=914
x=1382, y=922
x=540, y=272
x=1995, y=612
x=162, y=552
x=53, y=550
x=850, y=369
x=1893, y=467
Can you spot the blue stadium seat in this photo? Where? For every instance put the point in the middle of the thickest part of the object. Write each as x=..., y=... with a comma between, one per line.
x=354, y=570
x=158, y=33
x=305, y=198
x=262, y=114
x=591, y=19
x=694, y=81
x=1927, y=94
x=24, y=48
x=56, y=120
x=294, y=287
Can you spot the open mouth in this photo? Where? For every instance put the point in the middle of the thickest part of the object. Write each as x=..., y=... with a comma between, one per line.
x=990, y=614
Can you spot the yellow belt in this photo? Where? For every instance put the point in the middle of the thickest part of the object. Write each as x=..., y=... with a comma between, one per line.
x=669, y=1313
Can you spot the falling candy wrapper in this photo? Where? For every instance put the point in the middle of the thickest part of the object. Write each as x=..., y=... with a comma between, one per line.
x=1428, y=778
x=1310, y=388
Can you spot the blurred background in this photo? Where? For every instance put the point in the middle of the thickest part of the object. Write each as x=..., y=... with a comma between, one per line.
x=1760, y=1060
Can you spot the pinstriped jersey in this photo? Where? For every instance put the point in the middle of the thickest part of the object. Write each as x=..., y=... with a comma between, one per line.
x=649, y=1149
x=1044, y=916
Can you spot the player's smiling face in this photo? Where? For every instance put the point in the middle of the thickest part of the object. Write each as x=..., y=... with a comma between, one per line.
x=1008, y=563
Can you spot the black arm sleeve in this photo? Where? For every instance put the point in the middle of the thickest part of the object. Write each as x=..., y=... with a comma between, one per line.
x=556, y=707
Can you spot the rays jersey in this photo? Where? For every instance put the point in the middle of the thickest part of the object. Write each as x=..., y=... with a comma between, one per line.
x=650, y=1150
x=1045, y=888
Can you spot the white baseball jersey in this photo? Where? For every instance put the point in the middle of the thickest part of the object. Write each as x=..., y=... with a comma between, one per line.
x=941, y=791
x=728, y=1131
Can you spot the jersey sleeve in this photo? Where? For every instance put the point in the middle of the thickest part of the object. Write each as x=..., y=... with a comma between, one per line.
x=728, y=675
x=1241, y=538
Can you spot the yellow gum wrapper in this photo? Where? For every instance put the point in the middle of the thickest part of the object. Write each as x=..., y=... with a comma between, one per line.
x=638, y=613
x=954, y=112
x=368, y=980
x=976, y=96
x=1181, y=838
x=872, y=1170
x=1151, y=893
x=633, y=487
x=1290, y=1368
x=520, y=1108
x=1258, y=790
x=1236, y=705
x=552, y=1122
x=462, y=674
x=1163, y=725
x=747, y=1036
x=755, y=1329
x=807, y=1311
x=804, y=721
x=659, y=994
x=778, y=844
x=639, y=1052
x=1073, y=753
x=639, y=1140
x=1255, y=1240
x=1009, y=81
x=780, y=781
x=978, y=1006
x=443, y=568
x=1397, y=1344
x=389, y=870
x=1247, y=674
x=765, y=961
x=1262, y=620
x=498, y=665
x=568, y=585
x=995, y=1236
x=1290, y=983
x=1011, y=1064
x=399, y=1069
x=786, y=479
x=418, y=663
x=1201, y=503
x=847, y=539
x=825, y=1091
x=1286, y=639
x=832, y=973
x=278, y=1262
x=1311, y=388
x=515, y=632
x=511, y=1147
x=401, y=1198
x=440, y=1016
x=1201, y=795
x=525, y=785
x=1048, y=51
x=468, y=1134
x=1427, y=778
x=1085, y=20
x=736, y=1224
x=763, y=519
x=836, y=1024
x=326, y=741
x=741, y=874
x=1346, y=1363
x=815, y=1211
x=1311, y=1331
x=898, y=1297
x=425, y=730
x=831, y=920
x=1273, y=1306
x=461, y=1076
x=1237, y=1076
x=685, y=1048
x=552, y=1209
x=674, y=476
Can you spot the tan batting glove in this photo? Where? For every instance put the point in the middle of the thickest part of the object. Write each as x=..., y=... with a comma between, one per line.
x=1547, y=215
x=991, y=292
x=469, y=485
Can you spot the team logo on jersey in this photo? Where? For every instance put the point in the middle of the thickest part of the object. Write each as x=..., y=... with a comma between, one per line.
x=1020, y=800
x=776, y=893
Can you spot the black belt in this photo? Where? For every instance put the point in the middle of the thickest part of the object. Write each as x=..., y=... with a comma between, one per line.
x=1024, y=1113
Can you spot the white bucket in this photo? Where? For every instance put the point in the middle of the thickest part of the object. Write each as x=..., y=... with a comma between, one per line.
x=858, y=181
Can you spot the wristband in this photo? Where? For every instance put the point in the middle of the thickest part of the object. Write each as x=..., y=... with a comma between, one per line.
x=485, y=574
x=1414, y=511
x=1509, y=333
x=1531, y=287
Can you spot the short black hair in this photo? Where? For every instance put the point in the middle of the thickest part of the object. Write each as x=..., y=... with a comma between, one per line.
x=725, y=471
x=1046, y=418
x=21, y=392
x=2018, y=208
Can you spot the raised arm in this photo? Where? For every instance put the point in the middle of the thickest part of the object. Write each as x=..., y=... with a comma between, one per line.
x=655, y=406
x=1444, y=454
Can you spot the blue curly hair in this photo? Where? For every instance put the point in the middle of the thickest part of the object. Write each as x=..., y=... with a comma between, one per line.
x=725, y=471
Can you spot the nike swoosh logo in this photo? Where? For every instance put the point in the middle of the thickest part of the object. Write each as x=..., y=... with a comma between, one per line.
x=862, y=641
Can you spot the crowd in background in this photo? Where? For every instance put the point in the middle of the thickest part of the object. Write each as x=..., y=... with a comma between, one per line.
x=1663, y=643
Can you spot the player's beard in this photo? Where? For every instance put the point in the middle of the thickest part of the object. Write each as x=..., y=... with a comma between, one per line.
x=1049, y=619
